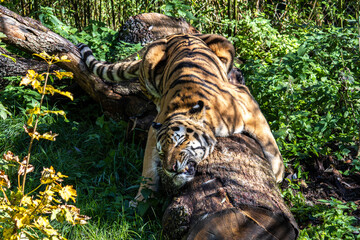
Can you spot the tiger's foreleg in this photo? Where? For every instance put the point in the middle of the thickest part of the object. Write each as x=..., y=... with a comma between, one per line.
x=150, y=164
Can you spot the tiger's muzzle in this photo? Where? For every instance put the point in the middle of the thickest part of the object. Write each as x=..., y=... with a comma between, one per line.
x=181, y=173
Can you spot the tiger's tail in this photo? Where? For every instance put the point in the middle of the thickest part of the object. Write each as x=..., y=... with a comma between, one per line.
x=112, y=72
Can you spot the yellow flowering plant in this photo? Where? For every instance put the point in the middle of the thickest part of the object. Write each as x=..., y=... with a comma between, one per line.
x=28, y=215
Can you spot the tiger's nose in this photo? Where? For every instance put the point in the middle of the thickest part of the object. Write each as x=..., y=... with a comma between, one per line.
x=177, y=167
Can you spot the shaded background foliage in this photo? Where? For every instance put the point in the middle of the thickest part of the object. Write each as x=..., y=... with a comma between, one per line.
x=114, y=12
x=301, y=60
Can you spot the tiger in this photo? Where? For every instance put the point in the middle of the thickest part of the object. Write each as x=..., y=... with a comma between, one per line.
x=186, y=76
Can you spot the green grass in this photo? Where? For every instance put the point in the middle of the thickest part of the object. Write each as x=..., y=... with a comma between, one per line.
x=101, y=163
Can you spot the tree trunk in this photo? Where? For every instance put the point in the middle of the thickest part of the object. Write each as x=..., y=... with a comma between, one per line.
x=147, y=27
x=9, y=68
x=233, y=196
x=123, y=100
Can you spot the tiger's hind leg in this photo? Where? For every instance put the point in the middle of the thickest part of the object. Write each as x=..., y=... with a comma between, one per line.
x=260, y=129
x=255, y=124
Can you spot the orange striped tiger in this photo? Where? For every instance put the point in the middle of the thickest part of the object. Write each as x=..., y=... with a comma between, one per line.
x=186, y=76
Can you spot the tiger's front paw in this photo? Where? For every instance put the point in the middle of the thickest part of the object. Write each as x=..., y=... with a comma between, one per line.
x=133, y=203
x=139, y=198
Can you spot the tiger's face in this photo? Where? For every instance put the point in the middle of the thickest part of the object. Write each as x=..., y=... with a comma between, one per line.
x=181, y=145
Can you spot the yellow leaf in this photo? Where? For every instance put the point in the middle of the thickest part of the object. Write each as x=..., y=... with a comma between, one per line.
x=22, y=219
x=4, y=179
x=66, y=94
x=60, y=112
x=35, y=84
x=75, y=212
x=54, y=214
x=36, y=135
x=35, y=110
x=52, y=59
x=48, y=175
x=60, y=175
x=49, y=136
x=31, y=132
x=60, y=75
x=81, y=219
x=25, y=80
x=27, y=201
x=48, y=89
x=9, y=156
x=44, y=56
x=32, y=78
x=69, y=217
x=42, y=222
x=22, y=168
x=51, y=90
x=68, y=192
x=30, y=121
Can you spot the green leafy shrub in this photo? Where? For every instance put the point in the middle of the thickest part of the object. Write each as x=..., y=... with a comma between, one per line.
x=333, y=217
x=178, y=8
x=311, y=96
x=256, y=38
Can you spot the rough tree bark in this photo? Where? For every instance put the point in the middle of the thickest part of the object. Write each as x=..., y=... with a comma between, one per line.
x=123, y=100
x=147, y=27
x=233, y=196
x=10, y=68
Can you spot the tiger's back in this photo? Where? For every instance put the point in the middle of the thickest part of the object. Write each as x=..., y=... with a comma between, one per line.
x=183, y=59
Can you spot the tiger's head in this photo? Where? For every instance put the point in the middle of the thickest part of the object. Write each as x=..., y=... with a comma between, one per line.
x=182, y=142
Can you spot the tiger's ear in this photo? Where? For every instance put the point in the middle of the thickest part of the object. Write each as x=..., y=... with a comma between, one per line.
x=222, y=47
x=198, y=111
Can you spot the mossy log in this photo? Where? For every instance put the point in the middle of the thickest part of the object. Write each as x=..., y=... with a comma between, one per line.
x=233, y=196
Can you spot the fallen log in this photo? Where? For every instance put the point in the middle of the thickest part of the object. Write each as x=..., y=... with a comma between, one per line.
x=19, y=67
x=233, y=196
x=121, y=101
x=147, y=27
